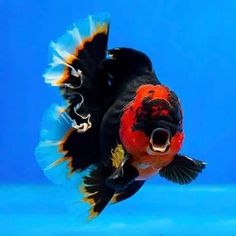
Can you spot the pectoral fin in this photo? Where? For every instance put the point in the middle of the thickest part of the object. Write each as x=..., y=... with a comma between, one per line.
x=119, y=171
x=182, y=169
x=123, y=173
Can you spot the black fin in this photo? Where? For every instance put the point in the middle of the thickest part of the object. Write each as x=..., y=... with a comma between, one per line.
x=81, y=86
x=75, y=60
x=95, y=190
x=182, y=169
x=62, y=149
x=75, y=147
x=63, y=142
x=128, y=192
x=76, y=57
x=79, y=51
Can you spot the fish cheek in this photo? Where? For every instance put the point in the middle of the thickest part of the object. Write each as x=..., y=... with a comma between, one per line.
x=135, y=142
x=176, y=142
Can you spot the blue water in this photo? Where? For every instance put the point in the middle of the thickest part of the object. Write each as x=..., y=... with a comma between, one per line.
x=193, y=50
x=155, y=210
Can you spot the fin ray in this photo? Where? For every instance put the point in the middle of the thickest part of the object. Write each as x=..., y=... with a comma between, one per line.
x=182, y=169
x=95, y=190
x=72, y=47
x=57, y=153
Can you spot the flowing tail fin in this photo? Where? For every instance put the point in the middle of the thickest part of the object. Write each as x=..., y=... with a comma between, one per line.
x=70, y=134
x=76, y=57
x=62, y=150
x=79, y=51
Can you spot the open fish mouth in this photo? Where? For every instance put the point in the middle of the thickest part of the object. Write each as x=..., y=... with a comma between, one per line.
x=160, y=140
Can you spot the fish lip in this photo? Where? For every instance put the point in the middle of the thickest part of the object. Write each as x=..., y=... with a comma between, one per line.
x=164, y=142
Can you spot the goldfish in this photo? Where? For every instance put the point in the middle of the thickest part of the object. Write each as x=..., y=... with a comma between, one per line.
x=117, y=126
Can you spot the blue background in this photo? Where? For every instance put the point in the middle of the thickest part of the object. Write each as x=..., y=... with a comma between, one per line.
x=192, y=46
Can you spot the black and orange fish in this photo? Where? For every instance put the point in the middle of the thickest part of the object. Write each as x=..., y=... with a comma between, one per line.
x=118, y=125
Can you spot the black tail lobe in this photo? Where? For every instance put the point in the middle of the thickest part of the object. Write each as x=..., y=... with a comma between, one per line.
x=72, y=133
x=95, y=190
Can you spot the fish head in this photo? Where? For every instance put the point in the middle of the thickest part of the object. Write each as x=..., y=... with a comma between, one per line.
x=153, y=122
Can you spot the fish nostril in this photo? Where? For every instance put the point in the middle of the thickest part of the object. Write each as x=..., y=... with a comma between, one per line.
x=160, y=140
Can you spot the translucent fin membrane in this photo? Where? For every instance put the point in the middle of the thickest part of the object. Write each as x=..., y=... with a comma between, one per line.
x=55, y=125
x=65, y=51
